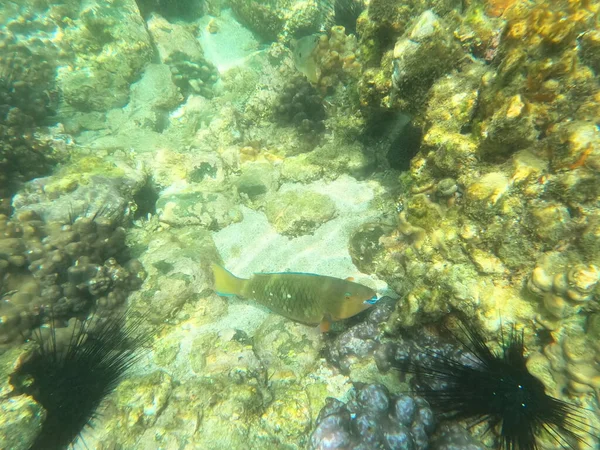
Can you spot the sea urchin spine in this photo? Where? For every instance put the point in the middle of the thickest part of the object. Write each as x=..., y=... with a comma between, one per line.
x=496, y=388
x=70, y=380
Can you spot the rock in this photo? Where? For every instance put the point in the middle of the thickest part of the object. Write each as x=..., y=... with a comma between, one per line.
x=88, y=185
x=171, y=38
x=257, y=180
x=486, y=262
x=278, y=18
x=137, y=393
x=552, y=221
x=511, y=128
x=452, y=152
x=298, y=169
x=579, y=146
x=526, y=166
x=21, y=417
x=20, y=420
x=423, y=213
x=152, y=97
x=454, y=98
x=590, y=49
x=490, y=187
x=287, y=347
x=339, y=157
x=192, y=205
x=177, y=264
x=112, y=47
x=426, y=51
x=225, y=42
x=154, y=91
x=297, y=212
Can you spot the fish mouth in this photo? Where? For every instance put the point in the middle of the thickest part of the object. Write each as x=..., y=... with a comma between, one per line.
x=371, y=301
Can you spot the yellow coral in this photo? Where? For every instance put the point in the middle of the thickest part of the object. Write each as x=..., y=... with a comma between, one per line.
x=336, y=56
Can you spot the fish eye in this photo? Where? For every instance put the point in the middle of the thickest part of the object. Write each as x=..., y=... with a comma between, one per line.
x=347, y=294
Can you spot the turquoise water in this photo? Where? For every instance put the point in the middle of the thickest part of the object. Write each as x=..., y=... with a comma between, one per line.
x=445, y=154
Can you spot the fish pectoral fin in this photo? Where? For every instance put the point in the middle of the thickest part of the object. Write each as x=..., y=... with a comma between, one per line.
x=325, y=325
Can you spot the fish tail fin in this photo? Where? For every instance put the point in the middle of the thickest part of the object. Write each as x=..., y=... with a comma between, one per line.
x=225, y=282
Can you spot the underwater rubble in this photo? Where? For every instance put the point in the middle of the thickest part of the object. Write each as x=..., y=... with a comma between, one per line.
x=444, y=153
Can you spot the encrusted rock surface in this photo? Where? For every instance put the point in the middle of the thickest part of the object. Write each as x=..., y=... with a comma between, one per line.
x=181, y=157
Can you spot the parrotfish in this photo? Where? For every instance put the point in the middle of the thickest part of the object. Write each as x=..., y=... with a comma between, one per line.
x=304, y=297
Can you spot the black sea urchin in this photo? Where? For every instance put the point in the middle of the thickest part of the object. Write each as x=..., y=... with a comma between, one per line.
x=71, y=378
x=344, y=12
x=485, y=386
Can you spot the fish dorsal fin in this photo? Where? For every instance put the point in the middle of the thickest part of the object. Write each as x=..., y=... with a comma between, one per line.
x=289, y=273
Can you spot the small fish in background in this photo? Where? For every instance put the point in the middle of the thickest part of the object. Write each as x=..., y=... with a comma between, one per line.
x=304, y=297
x=303, y=51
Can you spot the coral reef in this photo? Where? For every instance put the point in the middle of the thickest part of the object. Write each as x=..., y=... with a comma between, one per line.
x=570, y=363
x=179, y=50
x=498, y=215
x=301, y=105
x=336, y=56
x=279, y=18
x=61, y=268
x=28, y=99
x=485, y=189
x=386, y=16
x=449, y=148
x=564, y=284
x=384, y=26
x=192, y=77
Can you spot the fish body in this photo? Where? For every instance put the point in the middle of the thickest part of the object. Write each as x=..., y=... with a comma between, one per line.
x=303, y=51
x=304, y=297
